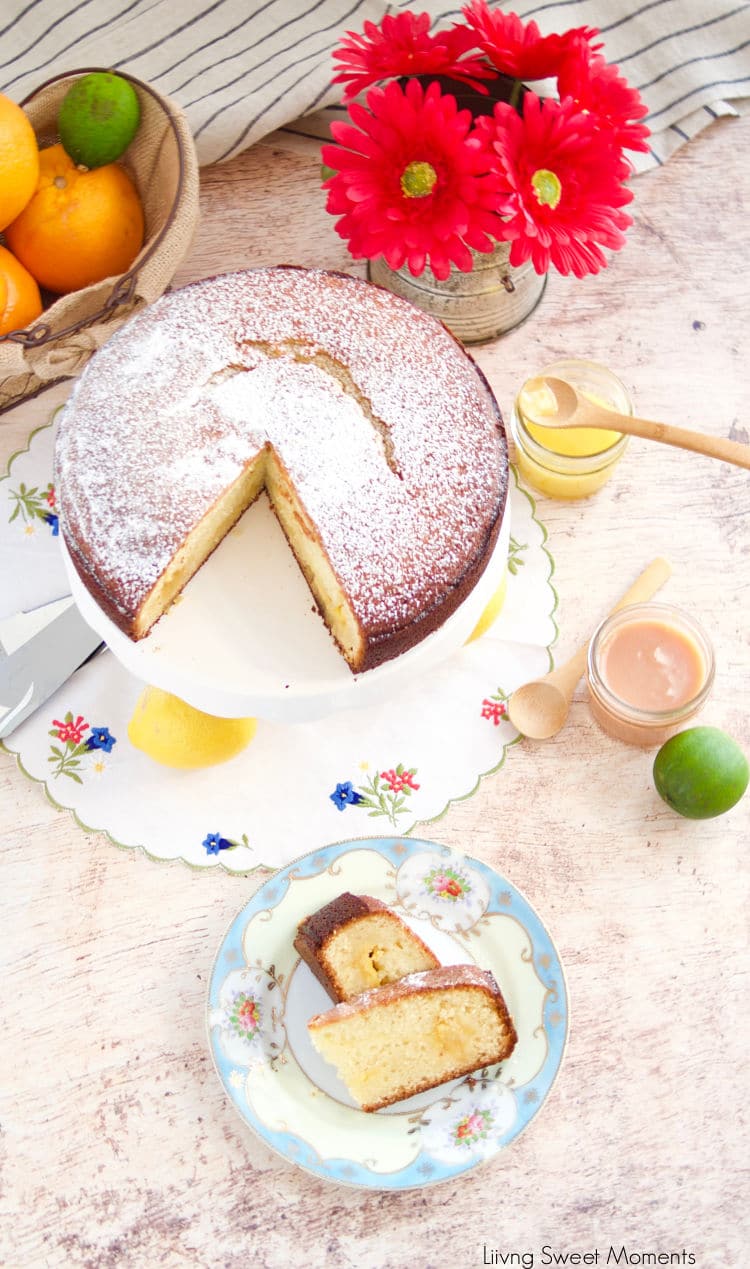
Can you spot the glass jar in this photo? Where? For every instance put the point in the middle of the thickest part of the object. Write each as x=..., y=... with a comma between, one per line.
x=631, y=713
x=571, y=462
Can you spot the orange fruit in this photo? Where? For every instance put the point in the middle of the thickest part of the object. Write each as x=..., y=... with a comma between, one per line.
x=19, y=160
x=20, y=301
x=79, y=227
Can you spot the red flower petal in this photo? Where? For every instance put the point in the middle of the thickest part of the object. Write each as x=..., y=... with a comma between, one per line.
x=398, y=127
x=599, y=88
x=516, y=48
x=401, y=45
x=556, y=137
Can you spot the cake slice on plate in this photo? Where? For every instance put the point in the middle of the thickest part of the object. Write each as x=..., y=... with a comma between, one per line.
x=356, y=943
x=414, y=1034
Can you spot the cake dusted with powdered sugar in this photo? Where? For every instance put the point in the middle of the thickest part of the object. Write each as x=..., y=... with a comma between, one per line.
x=375, y=435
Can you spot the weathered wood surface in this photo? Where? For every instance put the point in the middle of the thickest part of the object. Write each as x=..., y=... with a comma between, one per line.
x=118, y=1146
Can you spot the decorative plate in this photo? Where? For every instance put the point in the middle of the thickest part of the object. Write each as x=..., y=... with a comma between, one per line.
x=261, y=996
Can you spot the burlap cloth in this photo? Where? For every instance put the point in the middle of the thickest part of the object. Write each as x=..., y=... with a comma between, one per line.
x=163, y=163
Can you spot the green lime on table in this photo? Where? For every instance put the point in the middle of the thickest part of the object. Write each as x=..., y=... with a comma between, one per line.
x=98, y=118
x=701, y=772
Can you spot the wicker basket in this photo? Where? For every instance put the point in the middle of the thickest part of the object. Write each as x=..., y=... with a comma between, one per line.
x=162, y=161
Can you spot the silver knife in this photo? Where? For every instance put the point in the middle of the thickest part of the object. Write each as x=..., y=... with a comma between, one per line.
x=41, y=663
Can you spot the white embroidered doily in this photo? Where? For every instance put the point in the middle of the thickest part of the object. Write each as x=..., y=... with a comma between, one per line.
x=383, y=768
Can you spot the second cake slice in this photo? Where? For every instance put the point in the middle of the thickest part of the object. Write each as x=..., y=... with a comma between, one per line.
x=414, y=1034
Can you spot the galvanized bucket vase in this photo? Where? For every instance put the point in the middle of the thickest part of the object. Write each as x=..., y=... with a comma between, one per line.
x=477, y=306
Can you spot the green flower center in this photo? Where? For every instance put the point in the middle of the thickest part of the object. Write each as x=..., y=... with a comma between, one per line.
x=547, y=187
x=418, y=179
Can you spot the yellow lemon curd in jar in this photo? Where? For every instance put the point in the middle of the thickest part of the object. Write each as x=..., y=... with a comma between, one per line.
x=571, y=462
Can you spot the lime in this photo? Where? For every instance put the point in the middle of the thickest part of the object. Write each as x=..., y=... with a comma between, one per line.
x=701, y=772
x=175, y=734
x=98, y=118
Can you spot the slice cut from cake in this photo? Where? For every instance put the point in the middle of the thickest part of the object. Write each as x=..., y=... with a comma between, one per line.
x=414, y=1034
x=356, y=943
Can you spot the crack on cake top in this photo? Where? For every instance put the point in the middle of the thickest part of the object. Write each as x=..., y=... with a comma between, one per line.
x=310, y=353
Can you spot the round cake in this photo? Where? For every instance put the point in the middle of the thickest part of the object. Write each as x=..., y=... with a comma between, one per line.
x=375, y=436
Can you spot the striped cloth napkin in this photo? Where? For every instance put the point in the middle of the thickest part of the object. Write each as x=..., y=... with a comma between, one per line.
x=244, y=69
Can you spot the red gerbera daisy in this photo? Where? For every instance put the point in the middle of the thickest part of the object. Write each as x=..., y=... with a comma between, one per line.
x=402, y=45
x=599, y=88
x=563, y=183
x=413, y=181
x=518, y=48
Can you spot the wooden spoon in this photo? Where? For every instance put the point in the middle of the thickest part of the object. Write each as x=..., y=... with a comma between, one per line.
x=576, y=410
x=539, y=709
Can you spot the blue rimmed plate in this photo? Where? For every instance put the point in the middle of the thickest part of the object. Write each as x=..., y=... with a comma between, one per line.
x=261, y=996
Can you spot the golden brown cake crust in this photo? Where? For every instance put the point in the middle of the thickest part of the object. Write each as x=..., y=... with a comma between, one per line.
x=316, y=931
x=390, y=432
x=317, y=928
x=445, y=977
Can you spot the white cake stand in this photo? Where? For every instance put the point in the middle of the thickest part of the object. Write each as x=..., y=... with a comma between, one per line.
x=244, y=638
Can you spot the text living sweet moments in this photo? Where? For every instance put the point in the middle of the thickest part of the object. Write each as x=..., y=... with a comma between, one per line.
x=621, y=1255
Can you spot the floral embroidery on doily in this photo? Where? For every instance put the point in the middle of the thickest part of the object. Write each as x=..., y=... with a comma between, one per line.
x=213, y=843
x=384, y=794
x=495, y=707
x=32, y=504
x=444, y=888
x=79, y=740
x=515, y=555
x=345, y=795
x=470, y=1124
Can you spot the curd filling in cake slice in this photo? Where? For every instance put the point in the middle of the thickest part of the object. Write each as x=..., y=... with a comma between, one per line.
x=355, y=943
x=414, y=1034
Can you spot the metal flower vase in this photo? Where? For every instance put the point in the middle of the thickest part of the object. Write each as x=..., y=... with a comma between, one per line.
x=495, y=296
x=478, y=306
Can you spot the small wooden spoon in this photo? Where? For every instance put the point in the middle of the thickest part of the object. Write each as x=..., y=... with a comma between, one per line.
x=576, y=410
x=539, y=709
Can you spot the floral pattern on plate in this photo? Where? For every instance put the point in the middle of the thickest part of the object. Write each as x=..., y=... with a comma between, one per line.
x=295, y=1101
x=248, y=1017
x=471, y=1125
x=451, y=893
